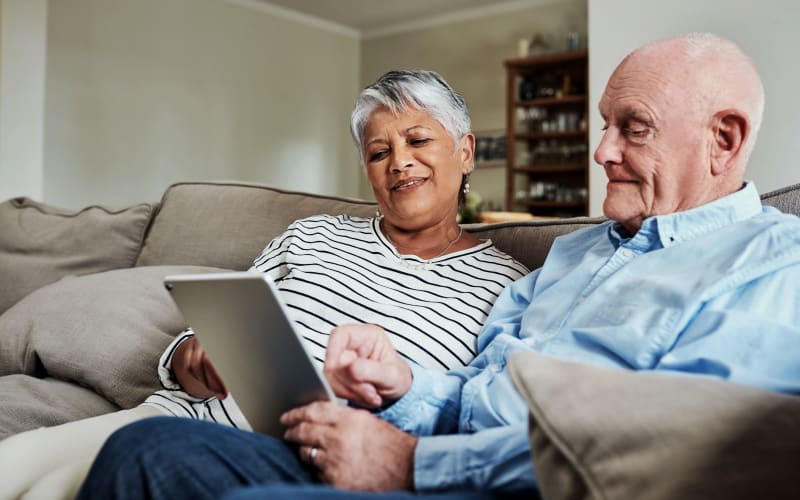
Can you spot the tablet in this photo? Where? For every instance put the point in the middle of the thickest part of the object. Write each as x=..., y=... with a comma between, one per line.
x=242, y=323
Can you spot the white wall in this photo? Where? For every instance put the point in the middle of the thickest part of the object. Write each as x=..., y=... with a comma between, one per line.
x=23, y=31
x=768, y=30
x=142, y=93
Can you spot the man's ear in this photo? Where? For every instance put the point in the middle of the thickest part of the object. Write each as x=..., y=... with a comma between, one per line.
x=731, y=128
x=466, y=150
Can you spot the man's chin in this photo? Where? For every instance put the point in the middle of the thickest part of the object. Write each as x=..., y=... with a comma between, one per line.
x=619, y=211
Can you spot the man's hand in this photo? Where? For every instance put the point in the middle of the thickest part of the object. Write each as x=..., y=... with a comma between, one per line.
x=355, y=450
x=194, y=371
x=363, y=367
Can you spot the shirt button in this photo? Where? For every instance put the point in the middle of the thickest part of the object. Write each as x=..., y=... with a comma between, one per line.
x=626, y=253
x=495, y=367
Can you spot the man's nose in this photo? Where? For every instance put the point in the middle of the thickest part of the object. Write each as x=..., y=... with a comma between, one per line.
x=608, y=151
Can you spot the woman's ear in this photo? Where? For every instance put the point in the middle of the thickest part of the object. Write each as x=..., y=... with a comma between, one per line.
x=731, y=128
x=466, y=148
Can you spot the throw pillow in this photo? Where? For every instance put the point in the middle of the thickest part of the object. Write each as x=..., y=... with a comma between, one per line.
x=40, y=244
x=617, y=434
x=104, y=331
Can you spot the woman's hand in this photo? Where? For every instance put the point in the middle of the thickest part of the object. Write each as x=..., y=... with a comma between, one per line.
x=195, y=373
x=363, y=367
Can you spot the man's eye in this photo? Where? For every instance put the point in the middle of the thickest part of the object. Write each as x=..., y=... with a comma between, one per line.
x=419, y=142
x=636, y=132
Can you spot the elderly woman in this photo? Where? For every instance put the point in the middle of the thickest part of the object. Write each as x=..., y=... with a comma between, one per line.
x=411, y=269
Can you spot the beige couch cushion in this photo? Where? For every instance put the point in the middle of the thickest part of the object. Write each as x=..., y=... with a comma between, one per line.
x=785, y=199
x=244, y=218
x=529, y=241
x=40, y=244
x=105, y=331
x=617, y=434
x=30, y=402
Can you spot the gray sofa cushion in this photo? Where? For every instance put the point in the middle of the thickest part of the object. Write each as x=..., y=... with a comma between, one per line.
x=104, y=331
x=30, y=403
x=40, y=244
x=529, y=241
x=244, y=218
x=617, y=434
x=786, y=199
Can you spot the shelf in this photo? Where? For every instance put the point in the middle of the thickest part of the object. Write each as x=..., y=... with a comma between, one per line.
x=523, y=63
x=489, y=164
x=551, y=204
x=551, y=101
x=568, y=134
x=550, y=168
x=552, y=164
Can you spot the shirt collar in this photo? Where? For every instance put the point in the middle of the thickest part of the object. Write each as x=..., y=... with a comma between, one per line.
x=689, y=224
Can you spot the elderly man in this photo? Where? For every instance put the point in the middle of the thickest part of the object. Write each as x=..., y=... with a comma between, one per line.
x=691, y=274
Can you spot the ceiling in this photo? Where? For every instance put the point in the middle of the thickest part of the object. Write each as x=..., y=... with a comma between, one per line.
x=369, y=16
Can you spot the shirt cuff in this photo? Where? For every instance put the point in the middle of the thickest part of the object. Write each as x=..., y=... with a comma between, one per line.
x=429, y=407
x=165, y=374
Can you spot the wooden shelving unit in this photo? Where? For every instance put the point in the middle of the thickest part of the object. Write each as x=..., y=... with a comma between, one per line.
x=546, y=135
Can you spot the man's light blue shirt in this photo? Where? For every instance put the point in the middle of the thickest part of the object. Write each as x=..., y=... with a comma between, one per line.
x=713, y=291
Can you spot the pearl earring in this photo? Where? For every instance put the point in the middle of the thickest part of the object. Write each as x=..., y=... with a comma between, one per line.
x=466, y=188
x=378, y=212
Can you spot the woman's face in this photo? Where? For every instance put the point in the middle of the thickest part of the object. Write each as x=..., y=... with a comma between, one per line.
x=414, y=167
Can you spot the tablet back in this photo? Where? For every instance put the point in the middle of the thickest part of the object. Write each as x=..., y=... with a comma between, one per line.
x=241, y=322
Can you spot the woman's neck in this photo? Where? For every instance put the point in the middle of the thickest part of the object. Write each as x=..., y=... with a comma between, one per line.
x=426, y=244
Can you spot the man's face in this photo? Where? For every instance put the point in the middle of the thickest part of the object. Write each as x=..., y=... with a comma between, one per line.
x=655, y=145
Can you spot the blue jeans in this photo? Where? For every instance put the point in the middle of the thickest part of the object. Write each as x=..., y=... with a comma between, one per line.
x=172, y=458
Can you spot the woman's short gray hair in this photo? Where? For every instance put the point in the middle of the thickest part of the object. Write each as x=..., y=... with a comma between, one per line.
x=397, y=90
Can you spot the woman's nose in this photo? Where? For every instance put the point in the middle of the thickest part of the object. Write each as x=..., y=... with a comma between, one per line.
x=608, y=151
x=402, y=159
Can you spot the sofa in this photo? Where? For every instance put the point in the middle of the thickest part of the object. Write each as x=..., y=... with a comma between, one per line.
x=84, y=318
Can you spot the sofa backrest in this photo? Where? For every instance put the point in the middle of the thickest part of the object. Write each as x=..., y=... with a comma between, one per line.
x=529, y=241
x=785, y=199
x=228, y=224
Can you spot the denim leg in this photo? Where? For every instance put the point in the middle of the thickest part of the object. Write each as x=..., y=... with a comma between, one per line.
x=171, y=458
x=323, y=492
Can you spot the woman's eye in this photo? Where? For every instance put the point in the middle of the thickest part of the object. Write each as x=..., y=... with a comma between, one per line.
x=377, y=155
x=419, y=142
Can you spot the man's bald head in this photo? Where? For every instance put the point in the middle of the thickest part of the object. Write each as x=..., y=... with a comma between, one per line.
x=715, y=72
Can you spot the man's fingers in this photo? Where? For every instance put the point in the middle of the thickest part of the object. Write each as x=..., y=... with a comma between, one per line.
x=318, y=412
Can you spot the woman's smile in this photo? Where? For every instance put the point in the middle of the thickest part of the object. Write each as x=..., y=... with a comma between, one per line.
x=409, y=184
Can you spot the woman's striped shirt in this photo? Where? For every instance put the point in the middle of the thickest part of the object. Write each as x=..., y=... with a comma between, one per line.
x=334, y=270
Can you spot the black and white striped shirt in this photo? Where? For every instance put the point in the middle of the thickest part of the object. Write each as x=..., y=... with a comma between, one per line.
x=336, y=270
